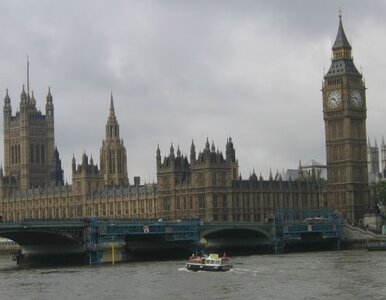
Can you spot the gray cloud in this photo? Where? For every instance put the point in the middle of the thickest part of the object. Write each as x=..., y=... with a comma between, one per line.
x=190, y=70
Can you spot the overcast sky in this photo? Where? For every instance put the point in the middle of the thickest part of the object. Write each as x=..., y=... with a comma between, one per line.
x=183, y=70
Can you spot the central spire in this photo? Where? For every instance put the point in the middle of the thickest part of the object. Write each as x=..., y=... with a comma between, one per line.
x=27, y=75
x=112, y=111
x=342, y=61
x=341, y=39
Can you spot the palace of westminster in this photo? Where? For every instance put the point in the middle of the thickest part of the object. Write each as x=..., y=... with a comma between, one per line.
x=206, y=185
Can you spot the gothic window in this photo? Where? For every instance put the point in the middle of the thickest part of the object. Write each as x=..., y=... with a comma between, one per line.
x=110, y=162
x=42, y=153
x=214, y=201
x=31, y=153
x=113, y=162
x=214, y=181
x=119, y=157
x=201, y=179
x=191, y=202
x=37, y=152
x=12, y=154
x=201, y=201
x=166, y=204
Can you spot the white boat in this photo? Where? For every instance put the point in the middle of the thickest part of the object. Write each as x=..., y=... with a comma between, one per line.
x=213, y=262
x=7, y=245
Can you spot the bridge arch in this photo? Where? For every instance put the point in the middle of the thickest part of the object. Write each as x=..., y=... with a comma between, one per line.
x=239, y=236
x=41, y=237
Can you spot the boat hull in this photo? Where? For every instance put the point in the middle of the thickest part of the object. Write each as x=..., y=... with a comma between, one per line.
x=202, y=267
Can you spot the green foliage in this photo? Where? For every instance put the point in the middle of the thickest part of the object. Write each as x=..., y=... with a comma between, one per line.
x=378, y=192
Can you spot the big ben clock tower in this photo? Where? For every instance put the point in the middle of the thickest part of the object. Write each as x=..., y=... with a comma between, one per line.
x=344, y=112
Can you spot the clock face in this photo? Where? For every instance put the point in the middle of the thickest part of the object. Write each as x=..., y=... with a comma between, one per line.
x=334, y=99
x=356, y=98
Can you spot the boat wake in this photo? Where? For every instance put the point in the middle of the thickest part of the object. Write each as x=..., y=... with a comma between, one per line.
x=241, y=270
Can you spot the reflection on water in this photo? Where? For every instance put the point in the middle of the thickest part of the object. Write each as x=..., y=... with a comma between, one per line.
x=316, y=275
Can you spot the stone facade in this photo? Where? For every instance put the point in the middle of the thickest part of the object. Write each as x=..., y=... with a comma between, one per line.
x=206, y=185
x=113, y=153
x=210, y=187
x=29, y=141
x=376, y=161
x=344, y=112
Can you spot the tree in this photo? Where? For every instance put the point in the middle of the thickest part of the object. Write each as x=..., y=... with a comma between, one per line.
x=378, y=192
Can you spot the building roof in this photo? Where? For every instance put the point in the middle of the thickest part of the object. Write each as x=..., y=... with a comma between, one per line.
x=342, y=67
x=341, y=39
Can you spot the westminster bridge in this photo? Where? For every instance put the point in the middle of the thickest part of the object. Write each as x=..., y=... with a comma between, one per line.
x=95, y=240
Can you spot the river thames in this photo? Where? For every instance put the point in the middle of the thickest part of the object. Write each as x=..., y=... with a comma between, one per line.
x=315, y=275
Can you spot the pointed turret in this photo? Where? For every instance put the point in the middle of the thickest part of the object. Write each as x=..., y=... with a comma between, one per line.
x=178, y=151
x=7, y=100
x=342, y=61
x=112, y=110
x=383, y=154
x=49, y=104
x=73, y=163
x=112, y=126
x=23, y=96
x=230, y=151
x=207, y=145
x=341, y=39
x=213, y=148
x=192, y=152
x=84, y=159
x=113, y=160
x=57, y=171
x=158, y=157
x=253, y=176
x=32, y=100
x=49, y=96
x=7, y=107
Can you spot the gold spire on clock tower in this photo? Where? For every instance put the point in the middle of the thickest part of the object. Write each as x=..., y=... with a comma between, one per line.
x=344, y=112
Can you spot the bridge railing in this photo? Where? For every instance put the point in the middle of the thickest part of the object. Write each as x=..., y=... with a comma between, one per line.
x=171, y=231
x=293, y=225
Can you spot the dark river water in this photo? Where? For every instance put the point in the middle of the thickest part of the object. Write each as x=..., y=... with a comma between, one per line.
x=316, y=275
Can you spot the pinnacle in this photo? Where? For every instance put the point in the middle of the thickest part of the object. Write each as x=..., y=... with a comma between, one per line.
x=341, y=39
x=6, y=98
x=112, y=110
